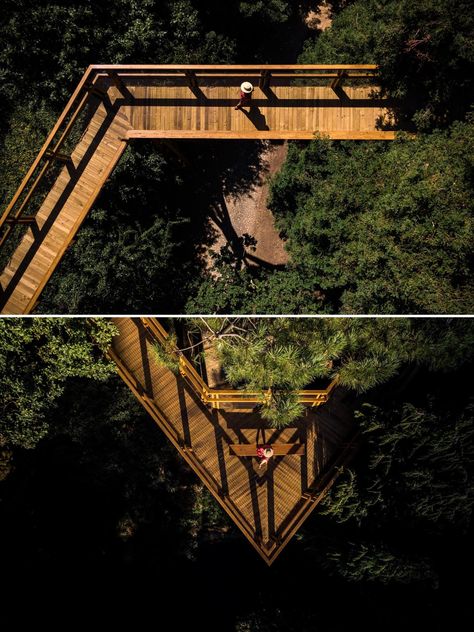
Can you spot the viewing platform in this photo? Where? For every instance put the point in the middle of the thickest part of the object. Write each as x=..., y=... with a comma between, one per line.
x=267, y=504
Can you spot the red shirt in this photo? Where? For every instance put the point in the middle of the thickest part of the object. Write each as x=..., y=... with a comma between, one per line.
x=261, y=454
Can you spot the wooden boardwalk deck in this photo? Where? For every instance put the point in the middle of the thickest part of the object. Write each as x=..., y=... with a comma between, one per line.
x=63, y=211
x=267, y=505
x=289, y=112
x=158, y=104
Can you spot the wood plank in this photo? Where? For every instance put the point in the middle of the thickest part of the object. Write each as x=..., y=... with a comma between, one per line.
x=171, y=112
x=261, y=134
x=279, y=449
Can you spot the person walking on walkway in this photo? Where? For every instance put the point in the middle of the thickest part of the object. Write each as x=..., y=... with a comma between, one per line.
x=246, y=90
x=264, y=453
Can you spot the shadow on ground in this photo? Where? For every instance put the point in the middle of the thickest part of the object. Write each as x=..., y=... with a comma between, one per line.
x=145, y=245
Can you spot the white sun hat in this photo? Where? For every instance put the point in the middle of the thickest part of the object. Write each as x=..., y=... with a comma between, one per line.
x=246, y=87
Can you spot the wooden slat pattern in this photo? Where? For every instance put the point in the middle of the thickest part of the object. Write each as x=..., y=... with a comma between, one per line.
x=287, y=112
x=63, y=210
x=268, y=504
x=162, y=104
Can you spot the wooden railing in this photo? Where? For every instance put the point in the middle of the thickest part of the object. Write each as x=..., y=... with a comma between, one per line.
x=118, y=75
x=217, y=397
x=312, y=497
x=186, y=451
x=50, y=151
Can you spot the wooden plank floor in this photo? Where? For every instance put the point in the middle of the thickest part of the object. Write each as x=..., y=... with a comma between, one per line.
x=154, y=110
x=265, y=503
x=288, y=111
x=63, y=211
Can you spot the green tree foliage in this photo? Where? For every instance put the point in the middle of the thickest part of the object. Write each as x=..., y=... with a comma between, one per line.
x=352, y=36
x=382, y=229
x=27, y=128
x=419, y=470
x=424, y=50
x=375, y=562
x=251, y=290
x=166, y=354
x=361, y=353
x=6, y=459
x=413, y=483
x=37, y=357
x=287, y=355
x=47, y=45
x=273, y=10
x=264, y=31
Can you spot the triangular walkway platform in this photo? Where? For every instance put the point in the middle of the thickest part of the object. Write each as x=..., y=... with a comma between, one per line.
x=268, y=506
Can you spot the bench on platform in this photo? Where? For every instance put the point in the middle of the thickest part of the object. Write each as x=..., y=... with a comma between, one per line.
x=279, y=449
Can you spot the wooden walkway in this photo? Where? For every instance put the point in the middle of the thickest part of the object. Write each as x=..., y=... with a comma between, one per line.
x=267, y=505
x=289, y=112
x=169, y=102
x=63, y=211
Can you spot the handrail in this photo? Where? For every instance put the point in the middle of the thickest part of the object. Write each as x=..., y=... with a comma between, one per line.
x=118, y=74
x=89, y=78
x=214, y=396
x=48, y=141
x=94, y=70
x=232, y=67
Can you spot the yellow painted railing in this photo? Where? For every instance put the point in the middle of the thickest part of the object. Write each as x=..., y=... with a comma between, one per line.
x=217, y=397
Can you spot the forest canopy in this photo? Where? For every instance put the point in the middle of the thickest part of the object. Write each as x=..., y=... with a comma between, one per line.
x=37, y=357
x=89, y=481
x=383, y=229
x=369, y=227
x=283, y=356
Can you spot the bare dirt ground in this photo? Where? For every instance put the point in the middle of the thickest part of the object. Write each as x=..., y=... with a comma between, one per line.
x=248, y=214
x=320, y=18
x=214, y=370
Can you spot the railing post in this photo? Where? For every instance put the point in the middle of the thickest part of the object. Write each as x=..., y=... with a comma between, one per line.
x=119, y=84
x=20, y=220
x=337, y=81
x=57, y=155
x=264, y=82
x=94, y=89
x=191, y=79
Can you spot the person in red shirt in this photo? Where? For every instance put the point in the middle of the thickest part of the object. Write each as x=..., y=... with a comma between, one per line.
x=246, y=90
x=264, y=453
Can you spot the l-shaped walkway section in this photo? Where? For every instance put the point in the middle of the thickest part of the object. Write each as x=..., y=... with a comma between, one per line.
x=115, y=104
